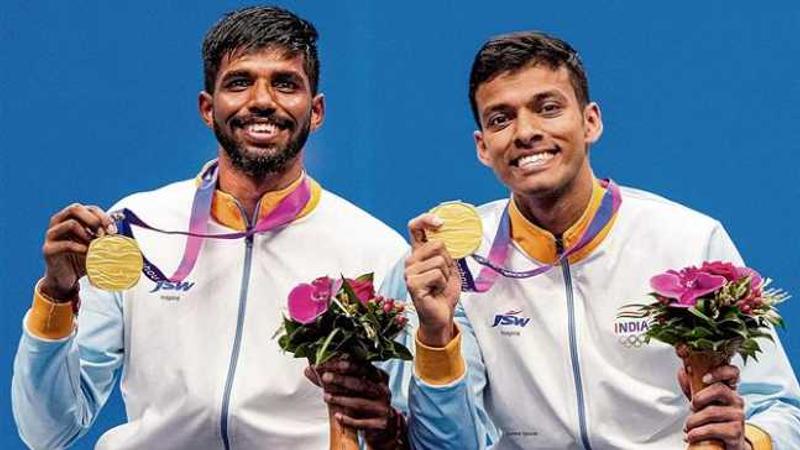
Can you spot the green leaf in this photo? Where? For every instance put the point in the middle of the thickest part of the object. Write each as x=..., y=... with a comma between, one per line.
x=322, y=355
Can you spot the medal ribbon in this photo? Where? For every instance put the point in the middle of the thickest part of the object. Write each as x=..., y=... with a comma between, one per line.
x=498, y=252
x=286, y=211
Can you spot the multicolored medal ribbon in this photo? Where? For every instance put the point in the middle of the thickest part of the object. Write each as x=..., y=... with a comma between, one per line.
x=286, y=211
x=498, y=253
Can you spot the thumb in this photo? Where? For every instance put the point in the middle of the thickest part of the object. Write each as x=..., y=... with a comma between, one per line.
x=418, y=225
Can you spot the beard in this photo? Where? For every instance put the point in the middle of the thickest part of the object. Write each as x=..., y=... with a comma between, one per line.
x=268, y=161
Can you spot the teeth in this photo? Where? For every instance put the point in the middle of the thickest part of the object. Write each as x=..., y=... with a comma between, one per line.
x=535, y=160
x=261, y=128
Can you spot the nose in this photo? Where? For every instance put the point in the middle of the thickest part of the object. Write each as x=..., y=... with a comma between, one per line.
x=261, y=98
x=528, y=130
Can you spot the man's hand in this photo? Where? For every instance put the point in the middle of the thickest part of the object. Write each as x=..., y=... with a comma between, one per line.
x=360, y=392
x=65, y=245
x=717, y=410
x=433, y=282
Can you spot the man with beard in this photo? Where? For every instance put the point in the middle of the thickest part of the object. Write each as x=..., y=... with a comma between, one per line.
x=200, y=366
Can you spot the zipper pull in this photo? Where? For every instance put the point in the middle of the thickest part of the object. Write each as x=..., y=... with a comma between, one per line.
x=559, y=246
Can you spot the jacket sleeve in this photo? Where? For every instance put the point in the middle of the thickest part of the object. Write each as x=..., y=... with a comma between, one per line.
x=61, y=382
x=445, y=388
x=769, y=385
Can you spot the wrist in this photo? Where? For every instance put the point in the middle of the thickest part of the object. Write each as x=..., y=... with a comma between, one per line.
x=436, y=335
x=58, y=294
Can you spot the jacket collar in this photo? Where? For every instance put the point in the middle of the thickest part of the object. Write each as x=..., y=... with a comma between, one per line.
x=540, y=244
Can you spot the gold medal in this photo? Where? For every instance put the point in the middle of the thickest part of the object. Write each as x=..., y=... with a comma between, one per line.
x=462, y=230
x=114, y=263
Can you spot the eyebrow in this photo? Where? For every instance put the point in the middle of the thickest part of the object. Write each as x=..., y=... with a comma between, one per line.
x=539, y=97
x=236, y=73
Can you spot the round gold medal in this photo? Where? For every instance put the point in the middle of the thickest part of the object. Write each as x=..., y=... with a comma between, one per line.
x=462, y=230
x=114, y=263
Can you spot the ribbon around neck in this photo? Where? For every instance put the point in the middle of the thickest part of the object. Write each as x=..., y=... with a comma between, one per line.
x=285, y=212
x=492, y=265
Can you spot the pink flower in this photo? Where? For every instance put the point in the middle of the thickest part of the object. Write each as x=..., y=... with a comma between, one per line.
x=309, y=301
x=727, y=270
x=686, y=286
x=363, y=288
x=323, y=287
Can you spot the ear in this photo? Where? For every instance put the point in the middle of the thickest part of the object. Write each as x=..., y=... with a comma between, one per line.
x=592, y=123
x=480, y=148
x=205, y=103
x=317, y=111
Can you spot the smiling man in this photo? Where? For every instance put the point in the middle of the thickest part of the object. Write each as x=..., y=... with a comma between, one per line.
x=200, y=366
x=537, y=358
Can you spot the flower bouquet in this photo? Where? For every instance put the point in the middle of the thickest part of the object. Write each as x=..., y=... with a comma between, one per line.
x=709, y=314
x=336, y=317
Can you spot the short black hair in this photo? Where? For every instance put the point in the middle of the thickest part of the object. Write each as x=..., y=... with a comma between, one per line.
x=258, y=28
x=514, y=51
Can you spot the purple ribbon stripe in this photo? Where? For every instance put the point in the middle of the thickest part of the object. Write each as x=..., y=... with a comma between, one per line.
x=286, y=211
x=498, y=252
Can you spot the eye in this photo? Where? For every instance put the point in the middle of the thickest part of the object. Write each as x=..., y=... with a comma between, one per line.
x=497, y=120
x=550, y=108
x=285, y=85
x=237, y=84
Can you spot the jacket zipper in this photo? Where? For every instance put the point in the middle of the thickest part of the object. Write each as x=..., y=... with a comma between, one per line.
x=237, y=341
x=573, y=346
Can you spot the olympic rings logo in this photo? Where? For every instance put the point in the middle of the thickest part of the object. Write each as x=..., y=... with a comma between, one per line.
x=632, y=340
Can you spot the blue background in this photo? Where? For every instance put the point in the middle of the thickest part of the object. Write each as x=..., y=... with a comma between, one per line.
x=699, y=101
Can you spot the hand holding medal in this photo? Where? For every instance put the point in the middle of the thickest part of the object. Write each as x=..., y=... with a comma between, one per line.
x=68, y=238
x=448, y=231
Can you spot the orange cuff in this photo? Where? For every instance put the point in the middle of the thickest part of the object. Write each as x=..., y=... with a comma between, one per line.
x=758, y=438
x=440, y=365
x=48, y=319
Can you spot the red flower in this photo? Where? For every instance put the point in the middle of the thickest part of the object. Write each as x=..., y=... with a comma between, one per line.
x=727, y=270
x=363, y=288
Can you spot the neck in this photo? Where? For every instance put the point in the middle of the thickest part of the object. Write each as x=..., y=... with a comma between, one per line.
x=556, y=212
x=248, y=190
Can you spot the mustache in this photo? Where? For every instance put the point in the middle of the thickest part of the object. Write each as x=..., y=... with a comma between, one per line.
x=276, y=119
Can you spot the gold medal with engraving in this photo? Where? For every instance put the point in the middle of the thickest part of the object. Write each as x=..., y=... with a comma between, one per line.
x=462, y=230
x=114, y=263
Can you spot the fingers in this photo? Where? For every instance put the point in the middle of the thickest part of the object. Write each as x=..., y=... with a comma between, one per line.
x=374, y=423
x=730, y=432
x=359, y=406
x=418, y=225
x=69, y=229
x=346, y=384
x=716, y=394
x=714, y=415
x=54, y=248
x=352, y=368
x=726, y=374
x=91, y=217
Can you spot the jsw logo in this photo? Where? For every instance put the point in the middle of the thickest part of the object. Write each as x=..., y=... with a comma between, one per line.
x=173, y=286
x=511, y=319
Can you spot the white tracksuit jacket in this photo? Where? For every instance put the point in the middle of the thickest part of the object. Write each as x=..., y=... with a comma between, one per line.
x=200, y=366
x=550, y=367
